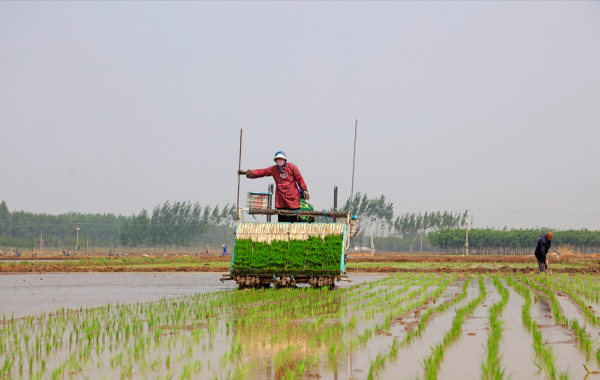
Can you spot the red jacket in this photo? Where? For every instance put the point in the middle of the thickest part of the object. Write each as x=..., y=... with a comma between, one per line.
x=286, y=194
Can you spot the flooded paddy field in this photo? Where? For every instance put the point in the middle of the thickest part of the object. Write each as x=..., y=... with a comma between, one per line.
x=26, y=294
x=407, y=325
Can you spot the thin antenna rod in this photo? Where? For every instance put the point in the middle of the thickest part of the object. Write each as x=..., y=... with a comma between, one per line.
x=239, y=177
x=353, y=161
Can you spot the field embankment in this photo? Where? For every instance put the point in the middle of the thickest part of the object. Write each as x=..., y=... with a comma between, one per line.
x=377, y=264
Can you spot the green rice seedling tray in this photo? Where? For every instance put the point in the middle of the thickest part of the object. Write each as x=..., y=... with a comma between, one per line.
x=282, y=248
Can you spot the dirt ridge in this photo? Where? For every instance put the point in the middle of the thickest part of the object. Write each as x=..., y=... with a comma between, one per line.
x=104, y=269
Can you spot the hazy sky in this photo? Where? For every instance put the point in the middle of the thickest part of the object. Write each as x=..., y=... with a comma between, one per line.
x=115, y=106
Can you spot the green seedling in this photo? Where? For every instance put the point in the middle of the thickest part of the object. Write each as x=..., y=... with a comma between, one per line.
x=590, y=371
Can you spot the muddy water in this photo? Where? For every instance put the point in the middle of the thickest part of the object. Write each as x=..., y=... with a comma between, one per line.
x=22, y=295
x=262, y=343
x=31, y=294
x=212, y=350
x=516, y=347
x=409, y=359
x=471, y=342
x=568, y=358
x=571, y=311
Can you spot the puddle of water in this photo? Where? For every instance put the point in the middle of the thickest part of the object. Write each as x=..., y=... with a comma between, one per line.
x=516, y=345
x=567, y=356
x=34, y=293
x=264, y=334
x=409, y=359
x=360, y=359
x=572, y=311
x=462, y=360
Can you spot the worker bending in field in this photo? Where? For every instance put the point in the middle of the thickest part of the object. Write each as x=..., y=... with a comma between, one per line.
x=289, y=183
x=541, y=250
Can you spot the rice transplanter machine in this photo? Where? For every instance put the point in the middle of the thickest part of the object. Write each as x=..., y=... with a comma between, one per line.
x=286, y=254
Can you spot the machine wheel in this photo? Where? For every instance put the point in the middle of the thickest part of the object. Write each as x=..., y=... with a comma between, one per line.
x=321, y=281
x=285, y=282
x=248, y=282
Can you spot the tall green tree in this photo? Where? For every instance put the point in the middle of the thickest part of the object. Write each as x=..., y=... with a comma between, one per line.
x=5, y=218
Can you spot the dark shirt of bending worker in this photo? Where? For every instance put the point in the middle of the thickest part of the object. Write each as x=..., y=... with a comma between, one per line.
x=288, y=181
x=541, y=250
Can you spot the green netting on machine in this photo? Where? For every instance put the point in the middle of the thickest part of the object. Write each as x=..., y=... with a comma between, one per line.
x=296, y=257
x=314, y=254
x=242, y=258
x=333, y=252
x=278, y=256
x=260, y=258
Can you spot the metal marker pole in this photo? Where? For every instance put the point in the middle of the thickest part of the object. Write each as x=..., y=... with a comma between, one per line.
x=270, y=201
x=334, y=201
x=467, y=243
x=353, y=162
x=239, y=168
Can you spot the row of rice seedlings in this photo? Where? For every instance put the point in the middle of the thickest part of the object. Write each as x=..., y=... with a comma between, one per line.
x=418, y=331
x=544, y=352
x=424, y=285
x=381, y=295
x=423, y=282
x=576, y=286
x=565, y=285
x=334, y=348
x=441, y=284
x=275, y=310
x=378, y=364
x=586, y=285
x=133, y=332
x=371, y=297
x=388, y=300
x=585, y=342
x=491, y=368
x=56, y=333
x=432, y=363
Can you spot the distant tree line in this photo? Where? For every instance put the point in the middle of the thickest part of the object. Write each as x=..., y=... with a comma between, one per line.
x=521, y=241
x=183, y=224
x=377, y=219
x=21, y=229
x=445, y=231
x=178, y=224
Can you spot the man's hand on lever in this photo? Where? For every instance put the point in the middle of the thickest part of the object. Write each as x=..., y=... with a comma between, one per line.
x=247, y=173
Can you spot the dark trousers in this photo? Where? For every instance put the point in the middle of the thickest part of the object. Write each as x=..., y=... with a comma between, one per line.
x=286, y=218
x=542, y=264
